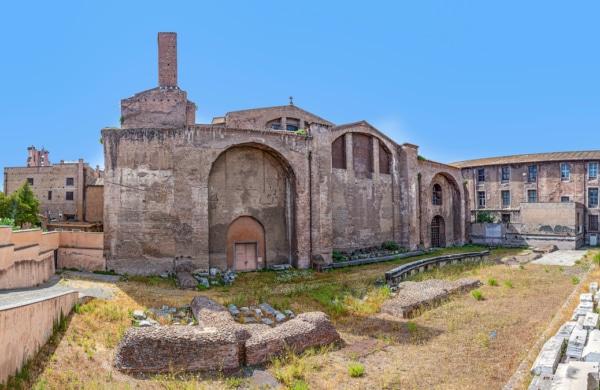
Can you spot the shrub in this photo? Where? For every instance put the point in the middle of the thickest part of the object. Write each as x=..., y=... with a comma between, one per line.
x=412, y=327
x=477, y=294
x=492, y=282
x=300, y=385
x=337, y=256
x=597, y=258
x=508, y=283
x=575, y=280
x=390, y=246
x=485, y=217
x=356, y=370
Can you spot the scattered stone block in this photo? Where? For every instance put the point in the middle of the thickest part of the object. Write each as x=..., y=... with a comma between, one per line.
x=279, y=317
x=591, y=352
x=139, y=315
x=214, y=272
x=576, y=343
x=267, y=321
x=289, y=313
x=183, y=265
x=549, y=357
x=593, y=288
x=233, y=310
x=576, y=375
x=148, y=322
x=185, y=280
x=541, y=382
x=564, y=332
x=590, y=321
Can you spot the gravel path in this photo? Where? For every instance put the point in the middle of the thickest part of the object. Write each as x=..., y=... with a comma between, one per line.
x=560, y=257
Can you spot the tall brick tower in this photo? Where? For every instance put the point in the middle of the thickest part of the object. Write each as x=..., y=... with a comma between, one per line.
x=165, y=106
x=167, y=59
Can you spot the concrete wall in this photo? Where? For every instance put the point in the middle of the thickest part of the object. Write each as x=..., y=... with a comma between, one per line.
x=27, y=256
x=25, y=329
x=81, y=250
x=541, y=224
x=26, y=259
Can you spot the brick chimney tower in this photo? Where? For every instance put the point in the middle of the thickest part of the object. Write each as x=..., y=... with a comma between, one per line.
x=167, y=59
x=37, y=158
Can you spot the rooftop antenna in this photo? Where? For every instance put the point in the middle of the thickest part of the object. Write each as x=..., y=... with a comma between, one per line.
x=291, y=100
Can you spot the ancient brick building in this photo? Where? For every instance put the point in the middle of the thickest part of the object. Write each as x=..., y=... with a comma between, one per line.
x=546, y=196
x=67, y=191
x=259, y=187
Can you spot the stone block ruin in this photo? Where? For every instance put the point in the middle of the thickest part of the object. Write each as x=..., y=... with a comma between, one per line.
x=571, y=358
x=218, y=342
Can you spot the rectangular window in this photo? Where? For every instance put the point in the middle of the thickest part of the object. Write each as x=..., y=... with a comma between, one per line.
x=505, y=174
x=505, y=198
x=565, y=172
x=592, y=197
x=30, y=181
x=532, y=196
x=593, y=226
x=481, y=199
x=69, y=217
x=505, y=218
x=565, y=199
x=70, y=181
x=481, y=175
x=49, y=195
x=69, y=195
x=593, y=170
x=532, y=172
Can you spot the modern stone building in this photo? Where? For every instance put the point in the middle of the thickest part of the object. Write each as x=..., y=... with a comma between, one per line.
x=68, y=191
x=259, y=187
x=550, y=197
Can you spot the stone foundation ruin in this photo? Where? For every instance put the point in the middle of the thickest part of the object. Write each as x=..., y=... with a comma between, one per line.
x=218, y=342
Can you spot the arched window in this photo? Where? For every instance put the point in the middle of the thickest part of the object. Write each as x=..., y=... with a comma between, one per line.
x=292, y=124
x=384, y=159
x=338, y=153
x=437, y=195
x=275, y=124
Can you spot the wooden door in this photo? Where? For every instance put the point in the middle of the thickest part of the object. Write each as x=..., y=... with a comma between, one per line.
x=245, y=254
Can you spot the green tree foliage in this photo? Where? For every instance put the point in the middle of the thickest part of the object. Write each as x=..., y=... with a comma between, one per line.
x=22, y=206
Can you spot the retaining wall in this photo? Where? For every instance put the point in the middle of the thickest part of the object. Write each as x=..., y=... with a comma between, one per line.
x=25, y=328
x=27, y=257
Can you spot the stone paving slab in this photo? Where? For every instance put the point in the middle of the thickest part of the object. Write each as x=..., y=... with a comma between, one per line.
x=561, y=257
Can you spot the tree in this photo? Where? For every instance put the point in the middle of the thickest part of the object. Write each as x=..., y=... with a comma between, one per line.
x=22, y=206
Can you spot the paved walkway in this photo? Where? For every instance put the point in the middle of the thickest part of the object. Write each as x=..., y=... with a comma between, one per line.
x=560, y=257
x=14, y=298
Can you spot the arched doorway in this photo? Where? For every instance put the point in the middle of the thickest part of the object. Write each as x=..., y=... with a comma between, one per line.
x=251, y=190
x=438, y=232
x=245, y=245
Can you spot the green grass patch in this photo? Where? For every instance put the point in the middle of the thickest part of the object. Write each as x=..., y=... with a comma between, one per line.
x=356, y=369
x=492, y=282
x=477, y=294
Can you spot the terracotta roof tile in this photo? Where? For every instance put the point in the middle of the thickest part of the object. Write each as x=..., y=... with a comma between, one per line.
x=530, y=158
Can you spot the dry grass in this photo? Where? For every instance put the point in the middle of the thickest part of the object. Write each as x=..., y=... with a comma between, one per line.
x=448, y=347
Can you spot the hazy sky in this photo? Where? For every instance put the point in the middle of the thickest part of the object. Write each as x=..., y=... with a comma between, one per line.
x=462, y=79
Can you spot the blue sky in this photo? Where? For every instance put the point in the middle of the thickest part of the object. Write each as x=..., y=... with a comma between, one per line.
x=462, y=79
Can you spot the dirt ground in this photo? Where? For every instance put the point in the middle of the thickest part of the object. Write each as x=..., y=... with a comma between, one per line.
x=462, y=344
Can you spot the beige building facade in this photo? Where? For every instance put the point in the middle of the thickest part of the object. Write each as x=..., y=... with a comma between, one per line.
x=67, y=191
x=532, y=193
x=262, y=187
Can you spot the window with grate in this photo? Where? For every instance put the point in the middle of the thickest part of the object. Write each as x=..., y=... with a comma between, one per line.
x=532, y=173
x=565, y=172
x=385, y=159
x=338, y=153
x=505, y=198
x=505, y=174
x=532, y=196
x=592, y=197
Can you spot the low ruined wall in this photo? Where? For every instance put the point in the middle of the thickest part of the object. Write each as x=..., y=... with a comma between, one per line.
x=82, y=259
x=81, y=250
x=517, y=235
x=28, y=272
x=24, y=329
x=27, y=256
x=218, y=343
